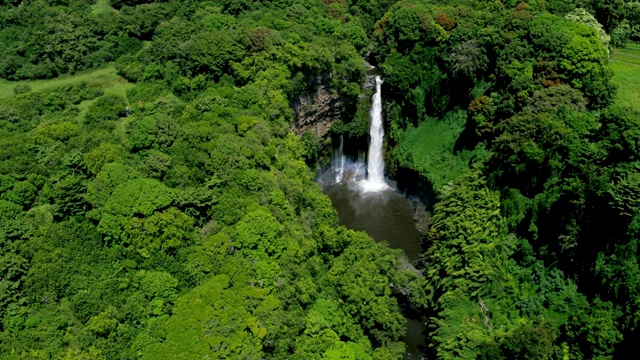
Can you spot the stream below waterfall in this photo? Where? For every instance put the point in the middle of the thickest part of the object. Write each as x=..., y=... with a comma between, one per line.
x=368, y=202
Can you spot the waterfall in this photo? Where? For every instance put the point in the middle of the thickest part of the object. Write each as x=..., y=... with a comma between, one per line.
x=375, y=163
x=365, y=173
x=338, y=162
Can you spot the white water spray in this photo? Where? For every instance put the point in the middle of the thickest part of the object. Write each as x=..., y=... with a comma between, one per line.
x=375, y=164
x=339, y=160
x=366, y=173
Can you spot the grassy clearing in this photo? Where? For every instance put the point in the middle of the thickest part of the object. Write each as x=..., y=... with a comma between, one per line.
x=628, y=58
x=107, y=77
x=625, y=64
x=430, y=148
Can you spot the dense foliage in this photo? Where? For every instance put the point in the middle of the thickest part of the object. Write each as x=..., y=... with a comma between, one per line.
x=192, y=227
x=188, y=226
x=533, y=248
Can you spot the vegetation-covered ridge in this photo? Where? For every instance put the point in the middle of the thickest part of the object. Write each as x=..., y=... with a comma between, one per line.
x=510, y=110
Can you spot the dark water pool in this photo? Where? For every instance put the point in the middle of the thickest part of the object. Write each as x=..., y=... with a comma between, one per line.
x=386, y=216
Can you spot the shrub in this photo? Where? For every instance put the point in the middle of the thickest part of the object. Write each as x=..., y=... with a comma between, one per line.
x=106, y=108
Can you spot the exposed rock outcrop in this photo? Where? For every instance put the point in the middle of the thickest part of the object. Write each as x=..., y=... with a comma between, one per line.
x=317, y=112
x=370, y=76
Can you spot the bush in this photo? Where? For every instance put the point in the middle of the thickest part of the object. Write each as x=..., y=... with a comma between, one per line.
x=130, y=68
x=310, y=146
x=83, y=91
x=106, y=108
x=145, y=92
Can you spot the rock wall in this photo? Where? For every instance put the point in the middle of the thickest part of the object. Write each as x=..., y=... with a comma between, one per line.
x=317, y=112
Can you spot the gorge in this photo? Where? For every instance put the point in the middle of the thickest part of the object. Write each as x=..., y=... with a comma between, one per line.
x=367, y=201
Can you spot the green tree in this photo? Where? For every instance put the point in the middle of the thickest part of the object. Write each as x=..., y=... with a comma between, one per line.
x=201, y=58
x=212, y=320
x=582, y=16
x=162, y=231
x=134, y=198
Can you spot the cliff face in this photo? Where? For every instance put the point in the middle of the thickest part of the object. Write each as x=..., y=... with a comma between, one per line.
x=317, y=112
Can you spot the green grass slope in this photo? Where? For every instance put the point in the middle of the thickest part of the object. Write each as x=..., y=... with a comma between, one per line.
x=430, y=149
x=110, y=81
x=625, y=64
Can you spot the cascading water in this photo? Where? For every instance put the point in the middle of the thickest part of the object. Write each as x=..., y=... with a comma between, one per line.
x=375, y=163
x=339, y=162
x=367, y=176
x=365, y=201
